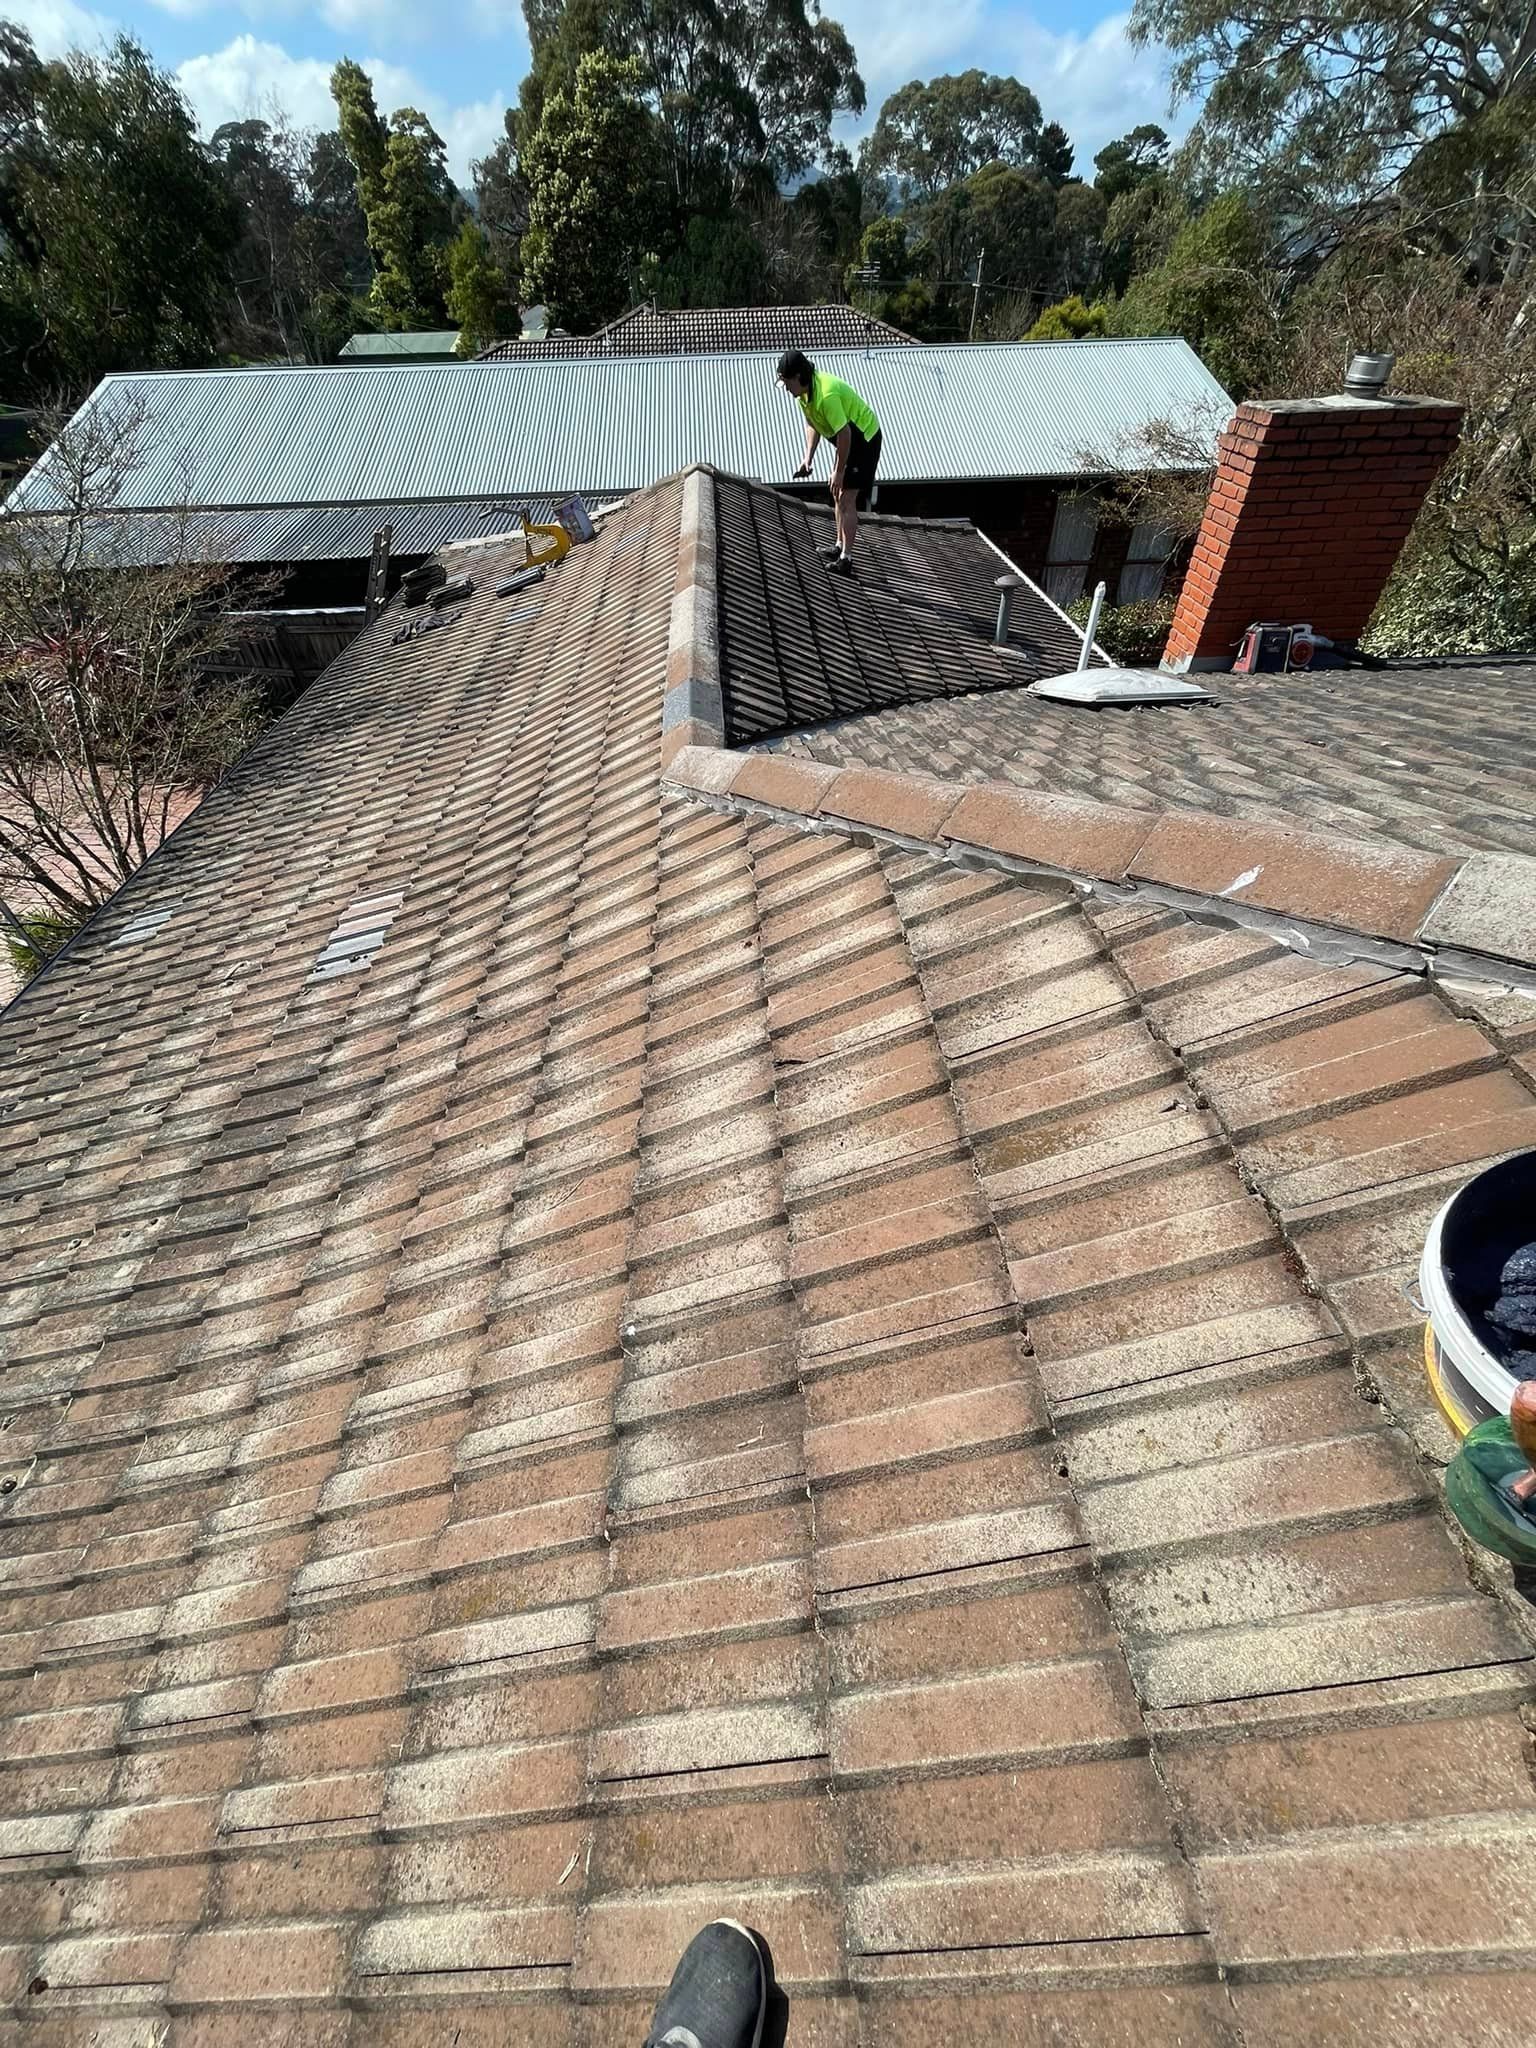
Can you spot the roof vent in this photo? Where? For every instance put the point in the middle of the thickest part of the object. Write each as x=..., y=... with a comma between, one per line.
x=1105, y=686
x=359, y=935
x=1367, y=375
x=1110, y=686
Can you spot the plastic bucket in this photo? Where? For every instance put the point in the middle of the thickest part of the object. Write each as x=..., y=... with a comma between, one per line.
x=1468, y=1241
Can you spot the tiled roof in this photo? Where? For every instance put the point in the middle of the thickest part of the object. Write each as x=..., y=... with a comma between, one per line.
x=733, y=1367
x=661, y=331
x=916, y=624
x=1430, y=757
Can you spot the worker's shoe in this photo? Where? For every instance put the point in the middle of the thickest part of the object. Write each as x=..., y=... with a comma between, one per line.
x=718, y=1994
x=840, y=566
x=831, y=554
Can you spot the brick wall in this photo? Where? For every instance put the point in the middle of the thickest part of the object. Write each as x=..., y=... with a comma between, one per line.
x=1312, y=502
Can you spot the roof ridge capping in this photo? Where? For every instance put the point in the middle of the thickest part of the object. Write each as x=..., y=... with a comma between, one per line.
x=692, y=706
x=1321, y=894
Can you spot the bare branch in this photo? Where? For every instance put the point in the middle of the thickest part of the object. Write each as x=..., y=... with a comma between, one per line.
x=119, y=696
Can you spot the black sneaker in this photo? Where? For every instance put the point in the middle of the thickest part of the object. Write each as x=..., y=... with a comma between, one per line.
x=840, y=566
x=830, y=554
x=718, y=1994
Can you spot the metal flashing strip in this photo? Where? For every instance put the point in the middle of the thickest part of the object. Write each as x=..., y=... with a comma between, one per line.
x=144, y=926
x=357, y=935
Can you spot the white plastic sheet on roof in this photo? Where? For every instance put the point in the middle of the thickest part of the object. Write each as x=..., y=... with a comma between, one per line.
x=288, y=437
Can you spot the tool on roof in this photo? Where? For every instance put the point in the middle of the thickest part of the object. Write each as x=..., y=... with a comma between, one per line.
x=1477, y=1287
x=523, y=580
x=1269, y=647
x=557, y=536
x=573, y=515
x=378, y=574
x=1103, y=687
x=1490, y=1482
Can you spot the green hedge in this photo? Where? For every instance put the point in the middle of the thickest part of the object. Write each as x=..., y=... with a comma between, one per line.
x=1131, y=634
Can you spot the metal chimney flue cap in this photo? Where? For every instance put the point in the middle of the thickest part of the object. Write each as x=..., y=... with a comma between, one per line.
x=1367, y=375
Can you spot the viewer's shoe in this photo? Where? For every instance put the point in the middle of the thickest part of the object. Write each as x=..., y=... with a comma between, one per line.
x=718, y=1994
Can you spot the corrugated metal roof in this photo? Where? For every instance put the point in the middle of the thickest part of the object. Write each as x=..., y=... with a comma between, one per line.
x=439, y=342
x=303, y=533
x=609, y=425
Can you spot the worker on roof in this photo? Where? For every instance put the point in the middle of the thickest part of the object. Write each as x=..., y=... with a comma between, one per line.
x=835, y=412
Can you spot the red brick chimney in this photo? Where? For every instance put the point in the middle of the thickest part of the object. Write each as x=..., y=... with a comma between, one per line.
x=1312, y=502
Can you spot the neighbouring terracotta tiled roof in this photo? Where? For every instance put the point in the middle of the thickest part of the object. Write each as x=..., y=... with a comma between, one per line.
x=737, y=1366
x=1435, y=758
x=712, y=330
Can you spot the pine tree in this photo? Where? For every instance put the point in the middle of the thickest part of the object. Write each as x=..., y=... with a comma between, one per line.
x=592, y=171
x=406, y=196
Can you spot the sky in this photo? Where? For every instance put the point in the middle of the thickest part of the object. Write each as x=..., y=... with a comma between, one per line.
x=462, y=69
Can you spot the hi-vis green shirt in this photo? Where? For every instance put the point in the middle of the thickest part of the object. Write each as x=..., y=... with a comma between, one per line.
x=830, y=405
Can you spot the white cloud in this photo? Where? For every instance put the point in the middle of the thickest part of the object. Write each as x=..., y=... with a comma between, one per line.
x=897, y=40
x=379, y=20
x=59, y=25
x=472, y=131
x=1093, y=81
x=1097, y=85
x=247, y=75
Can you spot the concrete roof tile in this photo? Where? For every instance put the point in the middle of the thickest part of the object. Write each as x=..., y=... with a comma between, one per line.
x=1363, y=886
x=734, y=1353
x=1489, y=906
x=1060, y=831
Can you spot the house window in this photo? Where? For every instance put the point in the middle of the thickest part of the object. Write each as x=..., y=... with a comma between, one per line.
x=1146, y=562
x=1070, y=553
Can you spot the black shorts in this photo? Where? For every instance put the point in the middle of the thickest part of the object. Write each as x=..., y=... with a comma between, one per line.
x=863, y=461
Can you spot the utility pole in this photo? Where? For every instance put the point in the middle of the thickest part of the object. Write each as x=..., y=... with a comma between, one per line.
x=976, y=295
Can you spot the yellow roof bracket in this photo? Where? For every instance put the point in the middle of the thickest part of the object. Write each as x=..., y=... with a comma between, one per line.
x=559, y=544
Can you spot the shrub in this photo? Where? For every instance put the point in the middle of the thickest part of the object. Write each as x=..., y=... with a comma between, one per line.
x=1070, y=319
x=44, y=936
x=1433, y=606
x=1131, y=634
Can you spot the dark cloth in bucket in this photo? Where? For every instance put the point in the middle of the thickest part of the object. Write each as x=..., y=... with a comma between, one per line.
x=1487, y=1248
